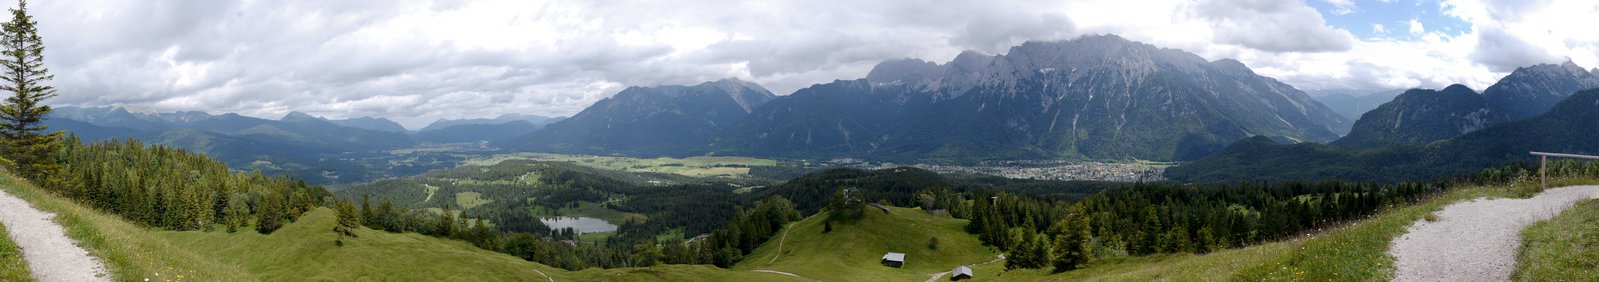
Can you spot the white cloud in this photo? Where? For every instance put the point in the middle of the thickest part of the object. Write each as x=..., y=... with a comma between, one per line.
x=415, y=61
x=1521, y=33
x=1343, y=7
x=398, y=59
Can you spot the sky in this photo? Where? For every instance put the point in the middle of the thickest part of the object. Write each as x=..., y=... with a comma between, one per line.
x=416, y=61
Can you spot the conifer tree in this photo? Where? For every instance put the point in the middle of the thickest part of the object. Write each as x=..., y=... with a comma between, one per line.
x=1072, y=248
x=368, y=216
x=27, y=143
x=271, y=214
x=238, y=214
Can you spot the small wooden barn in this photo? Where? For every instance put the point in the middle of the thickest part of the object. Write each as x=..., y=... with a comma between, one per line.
x=894, y=259
x=960, y=273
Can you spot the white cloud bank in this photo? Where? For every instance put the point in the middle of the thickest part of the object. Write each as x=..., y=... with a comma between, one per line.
x=416, y=61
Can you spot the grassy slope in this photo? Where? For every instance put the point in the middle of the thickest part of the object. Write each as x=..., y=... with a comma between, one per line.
x=304, y=250
x=853, y=250
x=1356, y=252
x=12, y=268
x=1565, y=248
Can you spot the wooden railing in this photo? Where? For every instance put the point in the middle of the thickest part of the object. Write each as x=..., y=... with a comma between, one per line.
x=1543, y=161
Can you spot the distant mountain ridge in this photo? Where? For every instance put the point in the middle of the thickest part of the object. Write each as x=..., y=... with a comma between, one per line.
x=661, y=120
x=1352, y=103
x=1531, y=91
x=1568, y=127
x=296, y=129
x=535, y=120
x=370, y=123
x=1420, y=116
x=1096, y=97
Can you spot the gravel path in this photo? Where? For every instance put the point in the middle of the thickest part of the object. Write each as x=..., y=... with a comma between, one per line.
x=1476, y=240
x=783, y=273
x=50, y=254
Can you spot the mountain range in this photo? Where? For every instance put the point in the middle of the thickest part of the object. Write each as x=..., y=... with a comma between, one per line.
x=1095, y=97
x=663, y=120
x=1420, y=116
x=1571, y=126
x=535, y=120
x=1531, y=91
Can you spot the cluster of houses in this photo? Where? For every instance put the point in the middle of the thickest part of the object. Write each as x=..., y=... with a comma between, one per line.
x=893, y=259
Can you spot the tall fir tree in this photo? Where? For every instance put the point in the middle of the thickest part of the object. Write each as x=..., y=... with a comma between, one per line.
x=27, y=143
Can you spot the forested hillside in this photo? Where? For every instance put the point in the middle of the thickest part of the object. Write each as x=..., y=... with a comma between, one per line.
x=172, y=189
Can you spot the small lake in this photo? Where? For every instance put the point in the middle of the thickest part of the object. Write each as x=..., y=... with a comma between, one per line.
x=581, y=224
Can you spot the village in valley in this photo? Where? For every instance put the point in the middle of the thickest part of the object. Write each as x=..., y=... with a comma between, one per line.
x=1063, y=170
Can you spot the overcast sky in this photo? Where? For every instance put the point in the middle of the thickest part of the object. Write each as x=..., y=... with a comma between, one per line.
x=415, y=61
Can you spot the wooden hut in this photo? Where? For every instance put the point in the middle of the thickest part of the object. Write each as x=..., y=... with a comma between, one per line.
x=960, y=273
x=894, y=259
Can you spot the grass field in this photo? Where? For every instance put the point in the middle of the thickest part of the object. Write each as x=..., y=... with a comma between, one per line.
x=595, y=210
x=852, y=251
x=469, y=200
x=704, y=166
x=1565, y=248
x=12, y=268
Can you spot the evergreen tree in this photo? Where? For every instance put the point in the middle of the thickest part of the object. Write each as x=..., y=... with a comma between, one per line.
x=238, y=214
x=346, y=214
x=1071, y=247
x=446, y=222
x=646, y=255
x=271, y=214
x=368, y=216
x=388, y=217
x=27, y=143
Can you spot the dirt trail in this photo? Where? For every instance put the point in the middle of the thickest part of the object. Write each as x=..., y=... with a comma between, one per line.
x=783, y=273
x=780, y=241
x=546, y=276
x=51, y=255
x=1476, y=240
